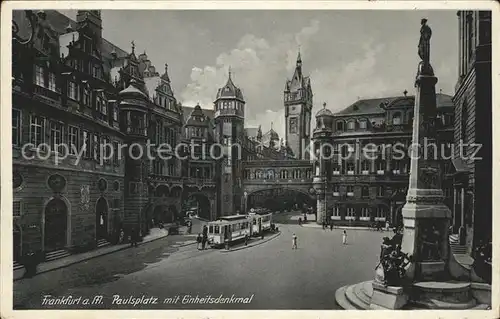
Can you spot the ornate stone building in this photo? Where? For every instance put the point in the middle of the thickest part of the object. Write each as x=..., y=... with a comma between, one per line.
x=472, y=209
x=363, y=176
x=76, y=93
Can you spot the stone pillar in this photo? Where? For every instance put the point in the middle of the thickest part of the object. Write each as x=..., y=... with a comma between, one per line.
x=425, y=216
x=320, y=208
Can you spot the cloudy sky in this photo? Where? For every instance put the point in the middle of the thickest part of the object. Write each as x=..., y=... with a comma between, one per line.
x=348, y=54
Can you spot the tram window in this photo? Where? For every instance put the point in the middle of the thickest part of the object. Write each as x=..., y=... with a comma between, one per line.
x=216, y=229
x=211, y=229
x=233, y=227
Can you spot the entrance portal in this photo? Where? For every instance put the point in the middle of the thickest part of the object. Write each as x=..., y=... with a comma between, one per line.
x=56, y=215
x=101, y=214
x=199, y=204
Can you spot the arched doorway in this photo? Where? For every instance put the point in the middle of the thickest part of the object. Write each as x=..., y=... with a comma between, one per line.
x=101, y=218
x=17, y=243
x=56, y=215
x=199, y=204
x=277, y=199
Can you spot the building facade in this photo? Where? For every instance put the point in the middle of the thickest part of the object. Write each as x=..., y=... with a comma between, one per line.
x=472, y=209
x=87, y=115
x=361, y=174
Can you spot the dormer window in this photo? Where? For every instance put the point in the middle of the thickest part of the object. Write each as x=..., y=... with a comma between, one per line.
x=350, y=125
x=396, y=118
x=362, y=124
x=340, y=126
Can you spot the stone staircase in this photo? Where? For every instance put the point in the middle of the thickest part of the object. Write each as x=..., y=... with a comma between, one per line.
x=455, y=246
x=424, y=295
x=102, y=243
x=56, y=254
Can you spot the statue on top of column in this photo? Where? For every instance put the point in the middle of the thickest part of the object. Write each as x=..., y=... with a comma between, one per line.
x=424, y=45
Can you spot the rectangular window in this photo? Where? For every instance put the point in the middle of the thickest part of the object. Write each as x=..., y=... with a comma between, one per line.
x=350, y=213
x=56, y=140
x=365, y=214
x=350, y=191
x=86, y=144
x=73, y=91
x=37, y=130
x=293, y=125
x=16, y=127
x=362, y=124
x=106, y=146
x=350, y=168
x=336, y=212
x=115, y=112
x=16, y=208
x=52, y=82
x=115, y=153
x=380, y=191
x=95, y=147
x=380, y=167
x=86, y=97
x=39, y=76
x=73, y=140
x=336, y=190
x=365, y=167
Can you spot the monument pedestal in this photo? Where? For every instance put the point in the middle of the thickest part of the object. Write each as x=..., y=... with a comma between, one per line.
x=387, y=297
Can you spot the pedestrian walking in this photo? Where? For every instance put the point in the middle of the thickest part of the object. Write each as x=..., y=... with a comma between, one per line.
x=204, y=240
x=294, y=241
x=300, y=221
x=133, y=237
x=198, y=241
x=331, y=225
x=246, y=240
x=344, y=237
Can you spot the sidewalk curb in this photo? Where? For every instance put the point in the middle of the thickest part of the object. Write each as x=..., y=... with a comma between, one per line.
x=89, y=258
x=343, y=227
x=253, y=245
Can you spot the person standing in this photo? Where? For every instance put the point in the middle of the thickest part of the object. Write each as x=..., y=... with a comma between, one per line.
x=133, y=237
x=203, y=242
x=344, y=237
x=331, y=225
x=198, y=241
x=294, y=241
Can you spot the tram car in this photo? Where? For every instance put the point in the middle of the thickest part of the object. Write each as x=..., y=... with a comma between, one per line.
x=260, y=223
x=233, y=228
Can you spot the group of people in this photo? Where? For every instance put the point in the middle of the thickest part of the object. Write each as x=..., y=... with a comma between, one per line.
x=344, y=239
x=202, y=239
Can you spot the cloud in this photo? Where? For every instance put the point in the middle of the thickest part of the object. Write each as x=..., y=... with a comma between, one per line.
x=260, y=68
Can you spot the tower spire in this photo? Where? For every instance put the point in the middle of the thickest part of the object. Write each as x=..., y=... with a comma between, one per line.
x=299, y=58
x=133, y=46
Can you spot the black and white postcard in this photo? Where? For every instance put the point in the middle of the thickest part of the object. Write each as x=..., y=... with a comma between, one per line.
x=315, y=156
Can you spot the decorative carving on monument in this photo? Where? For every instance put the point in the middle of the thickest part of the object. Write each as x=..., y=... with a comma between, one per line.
x=85, y=196
x=56, y=183
x=430, y=235
x=391, y=268
x=429, y=176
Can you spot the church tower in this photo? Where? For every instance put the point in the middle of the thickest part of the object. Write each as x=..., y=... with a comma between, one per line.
x=229, y=122
x=298, y=99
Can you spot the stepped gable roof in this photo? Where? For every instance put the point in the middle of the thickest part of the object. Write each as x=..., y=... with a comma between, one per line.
x=372, y=106
x=187, y=110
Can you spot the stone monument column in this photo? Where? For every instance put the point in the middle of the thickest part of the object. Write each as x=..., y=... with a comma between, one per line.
x=425, y=216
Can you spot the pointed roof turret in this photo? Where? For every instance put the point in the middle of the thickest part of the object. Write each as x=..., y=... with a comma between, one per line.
x=165, y=76
x=230, y=90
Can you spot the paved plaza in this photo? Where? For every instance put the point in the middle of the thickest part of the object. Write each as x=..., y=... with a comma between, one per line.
x=272, y=274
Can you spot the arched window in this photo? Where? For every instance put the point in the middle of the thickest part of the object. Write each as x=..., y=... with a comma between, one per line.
x=351, y=125
x=362, y=124
x=340, y=126
x=396, y=118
